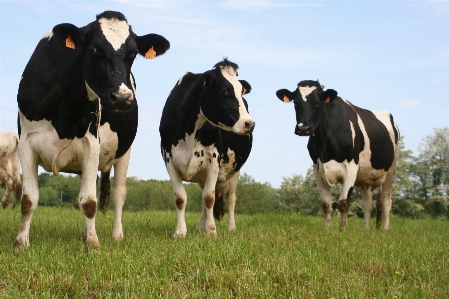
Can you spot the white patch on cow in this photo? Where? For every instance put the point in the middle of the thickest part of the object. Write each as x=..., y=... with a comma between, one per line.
x=352, y=133
x=300, y=124
x=91, y=95
x=133, y=85
x=384, y=117
x=239, y=127
x=180, y=79
x=334, y=172
x=115, y=31
x=10, y=167
x=305, y=91
x=108, y=147
x=48, y=35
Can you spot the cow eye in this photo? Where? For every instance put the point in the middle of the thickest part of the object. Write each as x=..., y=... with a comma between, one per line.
x=93, y=50
x=224, y=91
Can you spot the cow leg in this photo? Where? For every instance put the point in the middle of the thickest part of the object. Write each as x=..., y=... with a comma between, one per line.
x=208, y=196
x=367, y=204
x=386, y=190
x=30, y=194
x=88, y=192
x=231, y=199
x=17, y=181
x=119, y=194
x=180, y=199
x=326, y=197
x=343, y=204
x=9, y=186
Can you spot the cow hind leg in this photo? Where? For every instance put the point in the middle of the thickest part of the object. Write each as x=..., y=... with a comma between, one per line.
x=9, y=185
x=231, y=198
x=180, y=199
x=367, y=204
x=379, y=208
x=343, y=206
x=29, y=198
x=17, y=192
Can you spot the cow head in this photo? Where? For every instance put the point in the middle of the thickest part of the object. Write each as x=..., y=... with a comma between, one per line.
x=310, y=100
x=221, y=100
x=109, y=47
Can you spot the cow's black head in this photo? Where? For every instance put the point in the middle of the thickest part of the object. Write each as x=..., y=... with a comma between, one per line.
x=309, y=99
x=109, y=47
x=221, y=100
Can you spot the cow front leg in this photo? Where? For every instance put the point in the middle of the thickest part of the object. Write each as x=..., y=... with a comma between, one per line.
x=326, y=197
x=208, y=196
x=30, y=194
x=87, y=199
x=119, y=194
x=367, y=204
x=343, y=204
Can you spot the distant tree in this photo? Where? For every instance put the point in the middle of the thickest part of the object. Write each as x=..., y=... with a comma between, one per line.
x=253, y=197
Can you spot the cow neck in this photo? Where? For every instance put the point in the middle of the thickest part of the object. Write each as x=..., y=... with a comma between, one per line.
x=322, y=134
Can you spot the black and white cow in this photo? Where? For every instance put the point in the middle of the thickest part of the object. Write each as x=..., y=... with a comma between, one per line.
x=10, y=167
x=348, y=145
x=206, y=137
x=78, y=112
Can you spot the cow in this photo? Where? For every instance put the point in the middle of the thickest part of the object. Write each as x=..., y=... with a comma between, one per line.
x=348, y=145
x=10, y=167
x=78, y=113
x=206, y=137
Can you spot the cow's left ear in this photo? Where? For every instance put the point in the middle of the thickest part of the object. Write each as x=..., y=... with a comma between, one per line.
x=69, y=35
x=152, y=45
x=285, y=95
x=328, y=96
x=246, y=87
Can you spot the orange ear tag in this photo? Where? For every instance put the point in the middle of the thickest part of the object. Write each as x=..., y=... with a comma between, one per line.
x=286, y=99
x=69, y=43
x=244, y=90
x=150, y=54
x=204, y=82
x=327, y=100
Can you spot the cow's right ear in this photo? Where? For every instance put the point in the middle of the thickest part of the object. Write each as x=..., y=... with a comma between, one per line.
x=69, y=35
x=285, y=95
x=207, y=79
x=152, y=45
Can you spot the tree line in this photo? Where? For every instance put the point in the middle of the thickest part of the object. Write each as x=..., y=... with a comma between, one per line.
x=420, y=190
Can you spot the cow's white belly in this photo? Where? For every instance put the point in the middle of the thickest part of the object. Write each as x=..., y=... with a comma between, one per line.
x=66, y=155
x=192, y=159
x=334, y=172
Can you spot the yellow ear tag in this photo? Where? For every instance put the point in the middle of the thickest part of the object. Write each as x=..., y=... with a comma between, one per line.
x=244, y=90
x=327, y=100
x=69, y=43
x=286, y=99
x=150, y=54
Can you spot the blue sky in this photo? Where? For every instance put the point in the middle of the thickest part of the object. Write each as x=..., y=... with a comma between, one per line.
x=379, y=55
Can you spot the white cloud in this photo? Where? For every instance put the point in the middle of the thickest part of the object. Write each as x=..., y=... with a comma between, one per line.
x=408, y=104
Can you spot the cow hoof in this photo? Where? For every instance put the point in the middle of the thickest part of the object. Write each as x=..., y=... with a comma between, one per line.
x=19, y=246
x=92, y=245
x=5, y=204
x=179, y=235
x=212, y=234
x=117, y=238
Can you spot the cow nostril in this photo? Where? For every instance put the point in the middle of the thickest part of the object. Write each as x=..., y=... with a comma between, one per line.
x=249, y=125
x=120, y=97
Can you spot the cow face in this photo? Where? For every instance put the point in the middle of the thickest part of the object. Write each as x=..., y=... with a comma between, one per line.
x=221, y=100
x=310, y=100
x=110, y=48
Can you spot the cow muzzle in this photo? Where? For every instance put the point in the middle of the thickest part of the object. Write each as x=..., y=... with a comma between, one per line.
x=121, y=101
x=249, y=126
x=302, y=130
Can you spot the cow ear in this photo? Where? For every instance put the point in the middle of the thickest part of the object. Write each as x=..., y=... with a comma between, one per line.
x=152, y=45
x=207, y=79
x=328, y=96
x=69, y=35
x=285, y=95
x=246, y=87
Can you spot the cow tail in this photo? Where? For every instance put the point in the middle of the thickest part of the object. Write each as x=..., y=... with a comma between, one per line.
x=105, y=190
x=379, y=208
x=219, y=206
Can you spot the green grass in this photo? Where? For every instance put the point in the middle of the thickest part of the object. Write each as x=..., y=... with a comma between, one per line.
x=269, y=256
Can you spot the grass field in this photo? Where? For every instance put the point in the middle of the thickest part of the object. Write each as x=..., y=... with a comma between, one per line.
x=269, y=256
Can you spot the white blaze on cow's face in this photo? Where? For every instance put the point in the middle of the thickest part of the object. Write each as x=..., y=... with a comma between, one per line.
x=244, y=118
x=305, y=91
x=115, y=31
